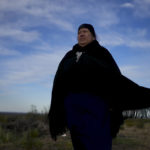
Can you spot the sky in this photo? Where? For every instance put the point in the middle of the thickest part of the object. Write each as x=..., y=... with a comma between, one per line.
x=36, y=34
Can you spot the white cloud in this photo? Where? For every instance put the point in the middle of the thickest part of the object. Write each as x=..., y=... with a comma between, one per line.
x=35, y=24
x=131, y=71
x=46, y=11
x=8, y=52
x=105, y=14
x=127, y=5
x=132, y=38
x=107, y=18
x=142, y=8
x=65, y=25
x=18, y=16
x=60, y=13
x=18, y=34
x=139, y=74
x=44, y=46
x=30, y=69
x=140, y=44
x=112, y=39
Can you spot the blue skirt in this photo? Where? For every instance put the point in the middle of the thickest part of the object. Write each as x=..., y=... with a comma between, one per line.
x=88, y=120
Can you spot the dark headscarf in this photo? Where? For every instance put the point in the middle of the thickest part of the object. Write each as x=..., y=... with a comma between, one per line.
x=88, y=26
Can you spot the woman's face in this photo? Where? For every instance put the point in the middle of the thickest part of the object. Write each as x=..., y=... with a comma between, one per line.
x=84, y=37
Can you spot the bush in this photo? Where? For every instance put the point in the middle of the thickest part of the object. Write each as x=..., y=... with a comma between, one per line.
x=129, y=123
x=140, y=124
x=5, y=136
x=31, y=140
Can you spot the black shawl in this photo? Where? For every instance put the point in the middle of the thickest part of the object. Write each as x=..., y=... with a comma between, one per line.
x=95, y=72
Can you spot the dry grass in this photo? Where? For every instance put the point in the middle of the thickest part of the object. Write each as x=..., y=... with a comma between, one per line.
x=30, y=132
x=134, y=135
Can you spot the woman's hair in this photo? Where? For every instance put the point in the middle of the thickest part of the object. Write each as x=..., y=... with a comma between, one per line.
x=88, y=26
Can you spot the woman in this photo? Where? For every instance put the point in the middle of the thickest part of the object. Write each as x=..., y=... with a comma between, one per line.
x=89, y=94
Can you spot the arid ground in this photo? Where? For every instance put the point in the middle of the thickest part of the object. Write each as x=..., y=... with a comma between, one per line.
x=30, y=132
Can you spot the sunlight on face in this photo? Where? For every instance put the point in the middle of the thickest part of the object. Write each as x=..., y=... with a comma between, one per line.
x=85, y=37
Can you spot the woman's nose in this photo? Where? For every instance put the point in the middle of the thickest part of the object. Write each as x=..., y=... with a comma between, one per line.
x=81, y=34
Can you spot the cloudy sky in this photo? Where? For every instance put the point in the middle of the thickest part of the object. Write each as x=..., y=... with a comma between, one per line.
x=35, y=35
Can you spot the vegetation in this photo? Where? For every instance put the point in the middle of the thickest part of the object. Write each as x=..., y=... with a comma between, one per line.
x=30, y=132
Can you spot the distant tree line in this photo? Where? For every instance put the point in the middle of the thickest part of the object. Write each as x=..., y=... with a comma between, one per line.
x=142, y=113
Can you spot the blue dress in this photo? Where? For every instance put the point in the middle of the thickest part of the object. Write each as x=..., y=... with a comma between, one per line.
x=88, y=120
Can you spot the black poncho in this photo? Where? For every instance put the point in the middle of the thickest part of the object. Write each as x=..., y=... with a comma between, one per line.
x=96, y=72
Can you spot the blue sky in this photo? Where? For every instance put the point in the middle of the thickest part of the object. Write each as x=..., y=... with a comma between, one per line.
x=35, y=35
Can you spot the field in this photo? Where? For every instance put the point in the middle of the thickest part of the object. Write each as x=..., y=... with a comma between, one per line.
x=30, y=132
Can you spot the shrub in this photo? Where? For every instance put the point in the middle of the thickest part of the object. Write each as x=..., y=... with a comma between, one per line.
x=5, y=136
x=31, y=140
x=140, y=124
x=129, y=123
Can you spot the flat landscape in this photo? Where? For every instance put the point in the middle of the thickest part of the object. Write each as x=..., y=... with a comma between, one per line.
x=30, y=132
